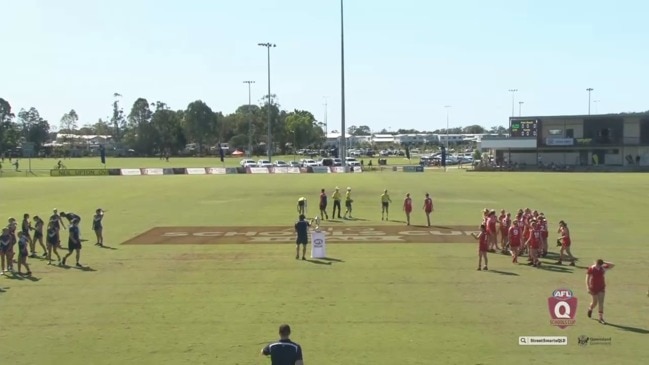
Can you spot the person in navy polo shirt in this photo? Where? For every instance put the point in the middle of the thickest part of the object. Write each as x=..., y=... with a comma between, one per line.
x=284, y=351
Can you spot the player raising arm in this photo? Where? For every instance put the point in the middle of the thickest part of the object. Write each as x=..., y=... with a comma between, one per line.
x=596, y=285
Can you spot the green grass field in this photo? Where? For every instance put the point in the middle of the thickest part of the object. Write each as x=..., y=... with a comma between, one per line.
x=383, y=304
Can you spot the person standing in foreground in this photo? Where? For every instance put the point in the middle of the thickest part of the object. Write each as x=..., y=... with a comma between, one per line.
x=323, y=204
x=336, y=198
x=301, y=205
x=53, y=242
x=428, y=207
x=348, y=204
x=302, y=230
x=98, y=227
x=385, y=205
x=596, y=286
x=284, y=351
x=407, y=207
x=23, y=252
x=564, y=241
x=74, y=242
x=483, y=247
x=38, y=236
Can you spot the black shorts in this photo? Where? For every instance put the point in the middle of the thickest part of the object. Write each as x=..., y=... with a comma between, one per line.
x=23, y=254
x=323, y=207
x=4, y=249
x=25, y=232
x=385, y=204
x=73, y=246
x=97, y=229
x=348, y=204
x=301, y=241
x=38, y=234
x=300, y=203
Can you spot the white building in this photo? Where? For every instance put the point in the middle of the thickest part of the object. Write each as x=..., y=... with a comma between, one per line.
x=378, y=139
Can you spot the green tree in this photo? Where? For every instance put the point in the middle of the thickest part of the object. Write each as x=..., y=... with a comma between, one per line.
x=69, y=122
x=141, y=134
x=304, y=129
x=168, y=126
x=6, y=126
x=101, y=128
x=33, y=127
x=199, y=123
x=117, y=120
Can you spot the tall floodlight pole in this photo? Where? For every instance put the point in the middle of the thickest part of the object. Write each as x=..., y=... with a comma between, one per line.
x=590, y=90
x=269, y=143
x=513, y=91
x=325, y=117
x=249, y=117
x=343, y=144
x=520, y=108
x=448, y=108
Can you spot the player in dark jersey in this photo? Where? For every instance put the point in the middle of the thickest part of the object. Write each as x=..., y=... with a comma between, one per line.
x=23, y=252
x=53, y=242
x=98, y=227
x=74, y=242
x=56, y=219
x=70, y=217
x=284, y=351
x=38, y=236
x=5, y=243
x=302, y=230
x=323, y=205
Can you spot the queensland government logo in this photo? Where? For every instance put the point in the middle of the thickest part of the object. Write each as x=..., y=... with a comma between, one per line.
x=563, y=308
x=585, y=341
x=317, y=242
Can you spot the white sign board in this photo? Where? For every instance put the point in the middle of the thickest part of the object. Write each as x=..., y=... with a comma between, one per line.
x=318, y=245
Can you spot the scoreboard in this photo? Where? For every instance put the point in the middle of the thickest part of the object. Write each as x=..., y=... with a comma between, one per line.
x=524, y=128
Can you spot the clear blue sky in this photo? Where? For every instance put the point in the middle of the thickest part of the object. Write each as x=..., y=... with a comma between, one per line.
x=405, y=59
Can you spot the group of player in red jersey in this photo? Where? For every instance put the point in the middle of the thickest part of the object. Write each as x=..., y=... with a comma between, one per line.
x=526, y=233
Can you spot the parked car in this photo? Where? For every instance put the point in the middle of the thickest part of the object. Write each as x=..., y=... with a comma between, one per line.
x=280, y=164
x=247, y=163
x=294, y=164
x=338, y=162
x=307, y=162
x=264, y=163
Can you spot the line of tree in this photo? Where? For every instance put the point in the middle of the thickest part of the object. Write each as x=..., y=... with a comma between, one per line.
x=154, y=128
x=363, y=130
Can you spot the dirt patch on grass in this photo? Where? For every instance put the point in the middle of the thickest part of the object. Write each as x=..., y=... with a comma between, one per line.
x=263, y=235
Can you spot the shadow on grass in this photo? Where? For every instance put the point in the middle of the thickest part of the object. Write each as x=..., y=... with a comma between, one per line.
x=356, y=219
x=629, y=329
x=4, y=290
x=332, y=259
x=334, y=221
x=16, y=276
x=318, y=262
x=507, y=273
x=84, y=268
x=553, y=268
x=107, y=247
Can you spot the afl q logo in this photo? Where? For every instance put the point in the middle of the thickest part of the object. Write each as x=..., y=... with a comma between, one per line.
x=317, y=242
x=563, y=308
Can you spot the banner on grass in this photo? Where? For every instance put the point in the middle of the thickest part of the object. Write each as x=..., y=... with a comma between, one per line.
x=258, y=170
x=216, y=171
x=320, y=169
x=131, y=172
x=413, y=169
x=79, y=172
x=338, y=169
x=195, y=171
x=151, y=172
x=293, y=170
x=280, y=170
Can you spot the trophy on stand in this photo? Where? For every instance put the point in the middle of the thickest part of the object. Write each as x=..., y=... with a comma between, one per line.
x=316, y=222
